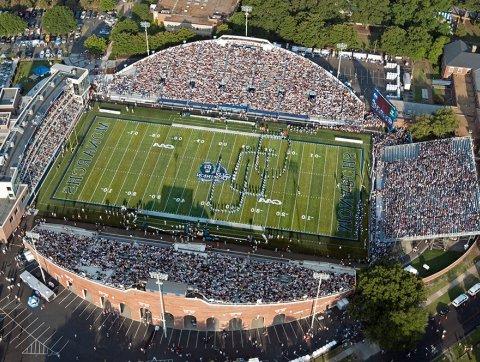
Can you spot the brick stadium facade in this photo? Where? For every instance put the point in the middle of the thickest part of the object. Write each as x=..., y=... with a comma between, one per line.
x=181, y=311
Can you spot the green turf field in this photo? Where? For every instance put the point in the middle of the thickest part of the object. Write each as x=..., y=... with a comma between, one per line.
x=260, y=181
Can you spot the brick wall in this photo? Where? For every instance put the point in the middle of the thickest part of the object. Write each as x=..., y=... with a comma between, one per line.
x=133, y=300
x=472, y=251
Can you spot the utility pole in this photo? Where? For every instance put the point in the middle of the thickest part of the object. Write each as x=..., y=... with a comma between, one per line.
x=146, y=25
x=319, y=277
x=160, y=279
x=340, y=47
x=247, y=9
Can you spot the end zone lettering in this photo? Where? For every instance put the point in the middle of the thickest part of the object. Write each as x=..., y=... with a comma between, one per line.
x=86, y=156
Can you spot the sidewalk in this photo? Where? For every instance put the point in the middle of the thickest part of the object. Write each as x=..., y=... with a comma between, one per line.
x=473, y=270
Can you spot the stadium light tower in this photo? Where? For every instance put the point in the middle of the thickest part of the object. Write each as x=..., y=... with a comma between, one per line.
x=247, y=9
x=146, y=25
x=319, y=277
x=340, y=47
x=160, y=279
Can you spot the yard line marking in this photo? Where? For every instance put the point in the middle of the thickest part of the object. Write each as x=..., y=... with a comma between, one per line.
x=131, y=164
x=323, y=183
x=196, y=341
x=145, y=161
x=92, y=167
x=273, y=186
x=229, y=160
x=286, y=183
x=334, y=194
x=177, y=171
x=309, y=191
x=118, y=166
x=241, y=337
x=298, y=185
x=188, y=337
x=153, y=172
x=192, y=166
x=198, y=183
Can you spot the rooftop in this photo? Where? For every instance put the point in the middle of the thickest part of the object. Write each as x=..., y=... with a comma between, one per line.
x=204, y=12
x=458, y=54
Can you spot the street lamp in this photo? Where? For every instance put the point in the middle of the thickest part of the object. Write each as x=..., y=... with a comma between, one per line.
x=160, y=279
x=247, y=9
x=340, y=47
x=146, y=25
x=319, y=277
x=38, y=260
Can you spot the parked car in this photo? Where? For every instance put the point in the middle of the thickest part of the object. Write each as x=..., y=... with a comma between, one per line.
x=458, y=301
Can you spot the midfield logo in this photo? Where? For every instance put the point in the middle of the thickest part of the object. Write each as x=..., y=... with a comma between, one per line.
x=210, y=172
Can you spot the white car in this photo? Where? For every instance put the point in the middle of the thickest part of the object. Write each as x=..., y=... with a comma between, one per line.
x=42, y=54
x=474, y=290
x=458, y=301
x=59, y=54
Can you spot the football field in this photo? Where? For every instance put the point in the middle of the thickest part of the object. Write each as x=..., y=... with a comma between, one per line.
x=234, y=178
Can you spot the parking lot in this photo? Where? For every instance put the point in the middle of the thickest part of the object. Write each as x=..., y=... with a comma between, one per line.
x=74, y=329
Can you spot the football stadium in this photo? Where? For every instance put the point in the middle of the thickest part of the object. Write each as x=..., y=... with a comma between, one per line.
x=186, y=170
x=221, y=174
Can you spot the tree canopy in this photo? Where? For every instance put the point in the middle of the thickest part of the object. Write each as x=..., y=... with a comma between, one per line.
x=11, y=25
x=442, y=124
x=404, y=27
x=388, y=301
x=108, y=5
x=59, y=20
x=95, y=45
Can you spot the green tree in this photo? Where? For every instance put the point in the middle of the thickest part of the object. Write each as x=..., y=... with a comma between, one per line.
x=393, y=40
x=441, y=124
x=436, y=49
x=59, y=20
x=370, y=12
x=141, y=12
x=11, y=25
x=125, y=26
x=95, y=45
x=107, y=5
x=388, y=301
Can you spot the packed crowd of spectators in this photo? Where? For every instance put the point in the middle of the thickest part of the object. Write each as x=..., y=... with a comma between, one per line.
x=208, y=72
x=49, y=135
x=427, y=189
x=217, y=276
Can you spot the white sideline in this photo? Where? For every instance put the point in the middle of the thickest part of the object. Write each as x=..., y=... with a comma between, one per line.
x=350, y=140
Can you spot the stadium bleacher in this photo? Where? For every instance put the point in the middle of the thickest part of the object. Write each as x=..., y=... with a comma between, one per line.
x=264, y=80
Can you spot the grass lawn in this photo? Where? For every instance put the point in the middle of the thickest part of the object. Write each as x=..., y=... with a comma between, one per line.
x=438, y=95
x=436, y=259
x=452, y=293
x=25, y=70
x=420, y=80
